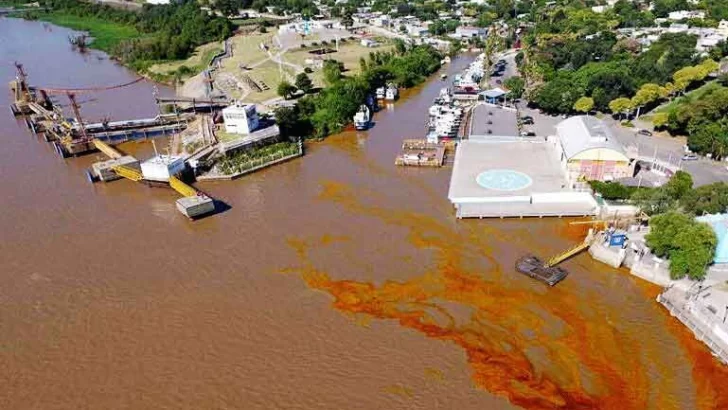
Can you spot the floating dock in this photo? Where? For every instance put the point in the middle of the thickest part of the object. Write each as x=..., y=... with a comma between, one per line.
x=420, y=153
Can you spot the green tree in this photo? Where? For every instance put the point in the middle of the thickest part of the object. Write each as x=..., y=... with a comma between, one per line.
x=286, y=89
x=304, y=83
x=679, y=185
x=621, y=106
x=347, y=20
x=332, y=71
x=584, y=104
x=689, y=245
x=660, y=119
x=653, y=201
x=515, y=86
x=706, y=199
x=647, y=94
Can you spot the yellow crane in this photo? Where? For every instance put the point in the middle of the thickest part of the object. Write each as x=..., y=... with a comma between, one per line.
x=567, y=254
x=128, y=173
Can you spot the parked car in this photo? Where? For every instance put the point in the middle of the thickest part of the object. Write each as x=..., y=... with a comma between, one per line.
x=645, y=133
x=528, y=120
x=689, y=157
x=527, y=133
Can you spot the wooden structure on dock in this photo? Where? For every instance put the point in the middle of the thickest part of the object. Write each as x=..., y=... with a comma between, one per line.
x=420, y=153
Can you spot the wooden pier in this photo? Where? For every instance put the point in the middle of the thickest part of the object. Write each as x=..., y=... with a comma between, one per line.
x=420, y=153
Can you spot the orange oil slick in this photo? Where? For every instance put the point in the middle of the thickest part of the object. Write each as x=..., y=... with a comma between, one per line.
x=492, y=334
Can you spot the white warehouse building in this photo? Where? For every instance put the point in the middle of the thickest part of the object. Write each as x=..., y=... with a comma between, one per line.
x=240, y=118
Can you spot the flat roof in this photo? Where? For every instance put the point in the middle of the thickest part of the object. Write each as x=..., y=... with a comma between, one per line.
x=538, y=160
x=504, y=122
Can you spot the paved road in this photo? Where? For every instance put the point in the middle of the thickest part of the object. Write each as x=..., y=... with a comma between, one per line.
x=664, y=148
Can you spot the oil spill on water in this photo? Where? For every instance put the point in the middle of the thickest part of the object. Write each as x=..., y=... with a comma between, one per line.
x=519, y=344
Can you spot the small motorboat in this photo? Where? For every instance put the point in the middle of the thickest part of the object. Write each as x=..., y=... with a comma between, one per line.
x=381, y=93
x=392, y=93
x=363, y=118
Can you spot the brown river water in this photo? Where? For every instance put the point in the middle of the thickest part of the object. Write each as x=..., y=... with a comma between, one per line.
x=335, y=281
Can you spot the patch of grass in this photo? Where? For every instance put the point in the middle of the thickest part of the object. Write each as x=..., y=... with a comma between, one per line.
x=199, y=60
x=244, y=160
x=253, y=21
x=106, y=35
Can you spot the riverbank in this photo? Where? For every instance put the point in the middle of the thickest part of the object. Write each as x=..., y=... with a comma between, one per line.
x=137, y=38
x=354, y=262
x=106, y=35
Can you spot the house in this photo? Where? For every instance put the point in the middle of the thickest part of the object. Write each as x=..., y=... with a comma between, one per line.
x=240, y=118
x=416, y=31
x=381, y=21
x=589, y=153
x=686, y=14
x=368, y=42
x=723, y=28
x=468, y=32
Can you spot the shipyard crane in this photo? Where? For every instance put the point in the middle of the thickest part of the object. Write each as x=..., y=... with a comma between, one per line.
x=71, y=94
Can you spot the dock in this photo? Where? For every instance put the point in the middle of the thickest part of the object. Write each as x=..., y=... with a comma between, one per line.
x=420, y=153
x=193, y=203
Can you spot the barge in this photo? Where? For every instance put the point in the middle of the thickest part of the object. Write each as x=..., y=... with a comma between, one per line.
x=537, y=269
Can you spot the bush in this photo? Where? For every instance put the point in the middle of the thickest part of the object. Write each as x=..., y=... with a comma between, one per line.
x=612, y=190
x=627, y=124
x=690, y=245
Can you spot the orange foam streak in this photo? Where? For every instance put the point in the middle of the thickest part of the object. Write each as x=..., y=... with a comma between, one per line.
x=580, y=364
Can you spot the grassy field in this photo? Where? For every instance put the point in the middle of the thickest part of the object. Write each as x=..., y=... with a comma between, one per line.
x=106, y=35
x=196, y=63
x=249, y=59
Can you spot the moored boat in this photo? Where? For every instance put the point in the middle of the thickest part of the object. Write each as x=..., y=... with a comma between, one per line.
x=362, y=119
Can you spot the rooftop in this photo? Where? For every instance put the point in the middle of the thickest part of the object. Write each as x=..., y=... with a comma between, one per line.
x=536, y=161
x=580, y=133
x=503, y=123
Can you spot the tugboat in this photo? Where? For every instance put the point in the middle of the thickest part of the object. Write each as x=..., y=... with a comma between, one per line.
x=392, y=93
x=362, y=119
x=537, y=269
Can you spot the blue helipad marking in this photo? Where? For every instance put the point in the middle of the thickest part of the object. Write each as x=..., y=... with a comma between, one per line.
x=503, y=180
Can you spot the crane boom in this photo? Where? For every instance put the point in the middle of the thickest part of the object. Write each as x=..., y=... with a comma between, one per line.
x=51, y=90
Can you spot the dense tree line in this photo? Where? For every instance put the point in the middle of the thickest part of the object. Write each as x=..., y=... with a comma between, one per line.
x=332, y=108
x=170, y=31
x=605, y=69
x=703, y=117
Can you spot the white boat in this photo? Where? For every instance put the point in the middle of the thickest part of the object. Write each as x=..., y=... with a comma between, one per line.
x=381, y=92
x=392, y=93
x=362, y=119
